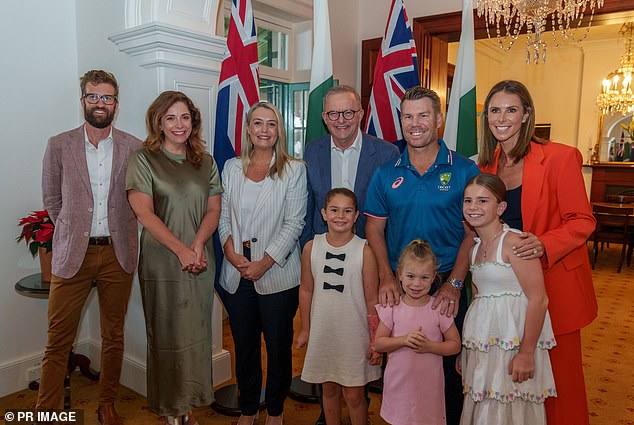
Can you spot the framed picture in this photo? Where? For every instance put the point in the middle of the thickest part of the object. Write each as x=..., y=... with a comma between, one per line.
x=542, y=131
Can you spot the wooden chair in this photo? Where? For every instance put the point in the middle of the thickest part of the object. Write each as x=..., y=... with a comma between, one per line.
x=612, y=226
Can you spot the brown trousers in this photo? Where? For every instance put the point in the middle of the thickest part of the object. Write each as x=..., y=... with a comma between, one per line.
x=65, y=303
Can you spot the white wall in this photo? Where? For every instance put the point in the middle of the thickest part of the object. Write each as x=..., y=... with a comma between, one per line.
x=373, y=13
x=40, y=98
x=601, y=58
x=346, y=44
x=136, y=92
x=39, y=93
x=555, y=87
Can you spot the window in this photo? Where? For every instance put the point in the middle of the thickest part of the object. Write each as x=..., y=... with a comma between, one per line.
x=272, y=48
x=292, y=101
x=272, y=44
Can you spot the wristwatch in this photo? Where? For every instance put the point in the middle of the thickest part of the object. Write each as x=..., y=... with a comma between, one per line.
x=456, y=283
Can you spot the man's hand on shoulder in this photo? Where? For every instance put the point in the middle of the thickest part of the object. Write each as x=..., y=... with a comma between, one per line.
x=389, y=291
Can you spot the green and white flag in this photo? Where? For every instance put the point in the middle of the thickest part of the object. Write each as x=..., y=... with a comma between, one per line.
x=321, y=71
x=460, y=127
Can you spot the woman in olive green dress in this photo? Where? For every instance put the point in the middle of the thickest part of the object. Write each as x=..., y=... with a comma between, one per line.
x=174, y=189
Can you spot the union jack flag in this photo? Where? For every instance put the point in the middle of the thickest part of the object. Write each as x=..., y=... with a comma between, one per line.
x=396, y=71
x=238, y=88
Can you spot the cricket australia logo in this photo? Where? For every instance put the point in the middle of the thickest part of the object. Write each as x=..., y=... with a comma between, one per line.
x=444, y=182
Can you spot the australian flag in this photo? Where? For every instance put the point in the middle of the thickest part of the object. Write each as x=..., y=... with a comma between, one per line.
x=396, y=71
x=238, y=88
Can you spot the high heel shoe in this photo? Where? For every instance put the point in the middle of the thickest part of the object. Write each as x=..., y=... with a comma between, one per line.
x=275, y=420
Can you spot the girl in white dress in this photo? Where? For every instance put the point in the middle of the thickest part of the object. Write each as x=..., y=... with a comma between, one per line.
x=507, y=333
x=337, y=294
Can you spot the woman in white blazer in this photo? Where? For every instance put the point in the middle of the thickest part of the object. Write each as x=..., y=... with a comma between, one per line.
x=263, y=209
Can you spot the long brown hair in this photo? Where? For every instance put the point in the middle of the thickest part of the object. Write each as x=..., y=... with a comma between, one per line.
x=492, y=183
x=195, y=146
x=488, y=143
x=281, y=153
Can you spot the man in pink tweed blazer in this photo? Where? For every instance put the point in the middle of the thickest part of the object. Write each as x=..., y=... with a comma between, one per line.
x=95, y=239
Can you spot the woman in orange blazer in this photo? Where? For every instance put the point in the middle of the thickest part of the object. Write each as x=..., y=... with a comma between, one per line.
x=547, y=200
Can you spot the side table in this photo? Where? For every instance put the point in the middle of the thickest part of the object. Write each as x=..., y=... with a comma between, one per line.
x=32, y=286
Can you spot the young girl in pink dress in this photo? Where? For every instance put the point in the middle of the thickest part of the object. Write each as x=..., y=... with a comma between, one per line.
x=417, y=338
x=506, y=335
x=337, y=294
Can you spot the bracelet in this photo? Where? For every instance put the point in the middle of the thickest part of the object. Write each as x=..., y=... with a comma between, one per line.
x=456, y=283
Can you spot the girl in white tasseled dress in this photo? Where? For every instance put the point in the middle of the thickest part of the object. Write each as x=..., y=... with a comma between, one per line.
x=506, y=370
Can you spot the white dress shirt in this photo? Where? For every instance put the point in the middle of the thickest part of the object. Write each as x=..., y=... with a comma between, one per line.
x=99, y=161
x=344, y=163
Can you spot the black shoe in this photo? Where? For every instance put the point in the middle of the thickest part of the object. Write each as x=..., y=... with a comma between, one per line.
x=321, y=420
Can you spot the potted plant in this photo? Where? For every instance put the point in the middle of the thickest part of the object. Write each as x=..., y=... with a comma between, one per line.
x=37, y=232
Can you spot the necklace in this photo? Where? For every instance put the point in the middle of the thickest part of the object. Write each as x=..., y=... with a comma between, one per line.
x=485, y=245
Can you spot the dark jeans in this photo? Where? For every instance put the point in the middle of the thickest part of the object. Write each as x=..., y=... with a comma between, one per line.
x=250, y=316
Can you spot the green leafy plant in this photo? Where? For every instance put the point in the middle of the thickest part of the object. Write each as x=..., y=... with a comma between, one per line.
x=37, y=231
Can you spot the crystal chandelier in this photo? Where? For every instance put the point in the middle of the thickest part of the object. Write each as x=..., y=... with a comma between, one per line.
x=616, y=95
x=565, y=17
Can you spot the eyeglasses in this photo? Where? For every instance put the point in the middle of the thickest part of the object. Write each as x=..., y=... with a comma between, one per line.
x=93, y=98
x=348, y=114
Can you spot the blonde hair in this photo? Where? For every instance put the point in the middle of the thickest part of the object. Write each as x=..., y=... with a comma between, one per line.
x=419, y=250
x=282, y=158
x=195, y=146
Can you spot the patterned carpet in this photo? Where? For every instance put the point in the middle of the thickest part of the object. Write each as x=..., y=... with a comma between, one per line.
x=608, y=363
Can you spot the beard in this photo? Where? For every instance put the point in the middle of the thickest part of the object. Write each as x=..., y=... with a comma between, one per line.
x=98, y=121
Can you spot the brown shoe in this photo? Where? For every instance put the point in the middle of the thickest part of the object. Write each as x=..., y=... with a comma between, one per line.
x=107, y=415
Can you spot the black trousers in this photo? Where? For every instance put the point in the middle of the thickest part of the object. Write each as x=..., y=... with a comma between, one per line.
x=250, y=316
x=453, y=381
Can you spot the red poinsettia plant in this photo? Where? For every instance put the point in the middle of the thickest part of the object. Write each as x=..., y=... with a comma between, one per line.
x=37, y=231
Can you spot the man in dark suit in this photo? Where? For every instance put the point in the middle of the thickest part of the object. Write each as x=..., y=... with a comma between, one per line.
x=95, y=239
x=345, y=158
